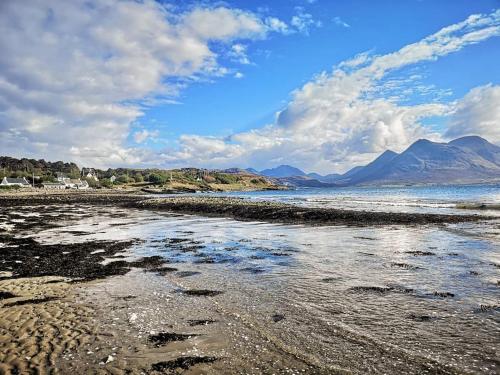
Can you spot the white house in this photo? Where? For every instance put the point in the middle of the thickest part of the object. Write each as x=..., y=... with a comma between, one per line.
x=71, y=183
x=112, y=178
x=54, y=185
x=15, y=182
x=89, y=173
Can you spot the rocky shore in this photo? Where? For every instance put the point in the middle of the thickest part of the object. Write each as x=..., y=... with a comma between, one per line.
x=238, y=209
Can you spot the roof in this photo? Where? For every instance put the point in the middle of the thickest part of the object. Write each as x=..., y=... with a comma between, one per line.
x=16, y=181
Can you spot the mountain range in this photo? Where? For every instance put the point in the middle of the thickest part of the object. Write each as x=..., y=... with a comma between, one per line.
x=470, y=159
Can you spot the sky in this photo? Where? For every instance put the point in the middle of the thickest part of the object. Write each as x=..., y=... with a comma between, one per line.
x=323, y=85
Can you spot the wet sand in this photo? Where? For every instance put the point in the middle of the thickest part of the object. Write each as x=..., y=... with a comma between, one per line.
x=99, y=286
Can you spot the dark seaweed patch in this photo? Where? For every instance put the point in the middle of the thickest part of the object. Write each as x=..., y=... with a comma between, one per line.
x=5, y=295
x=280, y=254
x=419, y=253
x=75, y=260
x=371, y=289
x=420, y=318
x=487, y=308
x=331, y=279
x=254, y=270
x=443, y=294
x=163, y=338
x=200, y=322
x=187, y=273
x=404, y=266
x=182, y=363
x=30, y=301
x=202, y=292
x=152, y=262
x=161, y=271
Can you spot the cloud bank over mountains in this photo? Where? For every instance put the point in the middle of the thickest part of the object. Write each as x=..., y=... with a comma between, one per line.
x=74, y=77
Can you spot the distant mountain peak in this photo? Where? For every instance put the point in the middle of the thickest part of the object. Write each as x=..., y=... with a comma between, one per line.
x=282, y=170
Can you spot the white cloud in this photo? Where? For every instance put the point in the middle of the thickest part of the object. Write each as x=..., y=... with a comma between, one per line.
x=340, y=119
x=303, y=21
x=275, y=24
x=142, y=135
x=239, y=53
x=339, y=22
x=75, y=74
x=239, y=75
x=477, y=113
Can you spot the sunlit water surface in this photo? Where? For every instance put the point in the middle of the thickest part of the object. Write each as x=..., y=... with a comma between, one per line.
x=361, y=299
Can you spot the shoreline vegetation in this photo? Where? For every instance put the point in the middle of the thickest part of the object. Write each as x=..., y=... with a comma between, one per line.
x=235, y=208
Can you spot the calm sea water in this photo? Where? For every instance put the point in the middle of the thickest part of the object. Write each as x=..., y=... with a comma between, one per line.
x=439, y=199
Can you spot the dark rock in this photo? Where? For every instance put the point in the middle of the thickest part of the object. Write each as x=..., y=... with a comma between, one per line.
x=277, y=317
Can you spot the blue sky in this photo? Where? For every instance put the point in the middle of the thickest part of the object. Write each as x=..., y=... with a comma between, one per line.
x=244, y=83
x=283, y=63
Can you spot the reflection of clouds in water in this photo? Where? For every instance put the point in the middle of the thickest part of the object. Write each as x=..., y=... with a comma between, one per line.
x=354, y=255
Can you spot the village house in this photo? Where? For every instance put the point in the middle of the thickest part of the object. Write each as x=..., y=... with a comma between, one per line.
x=90, y=173
x=21, y=182
x=54, y=185
x=69, y=183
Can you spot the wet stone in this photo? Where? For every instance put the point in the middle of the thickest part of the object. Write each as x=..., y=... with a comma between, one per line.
x=277, y=318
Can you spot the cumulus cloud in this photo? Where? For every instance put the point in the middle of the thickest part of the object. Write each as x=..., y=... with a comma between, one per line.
x=344, y=118
x=74, y=75
x=478, y=112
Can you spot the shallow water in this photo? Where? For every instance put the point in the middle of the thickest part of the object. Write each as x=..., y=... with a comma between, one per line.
x=435, y=199
x=391, y=299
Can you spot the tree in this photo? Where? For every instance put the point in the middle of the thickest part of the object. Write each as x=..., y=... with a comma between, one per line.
x=123, y=179
x=157, y=178
x=138, y=177
x=106, y=182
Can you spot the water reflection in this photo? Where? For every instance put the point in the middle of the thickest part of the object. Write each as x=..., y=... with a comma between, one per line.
x=375, y=296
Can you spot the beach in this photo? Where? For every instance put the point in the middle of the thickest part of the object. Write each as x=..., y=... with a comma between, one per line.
x=126, y=283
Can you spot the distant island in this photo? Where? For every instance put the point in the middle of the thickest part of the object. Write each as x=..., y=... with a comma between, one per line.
x=466, y=160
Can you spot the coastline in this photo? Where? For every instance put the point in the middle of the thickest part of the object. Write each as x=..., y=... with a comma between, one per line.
x=238, y=209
